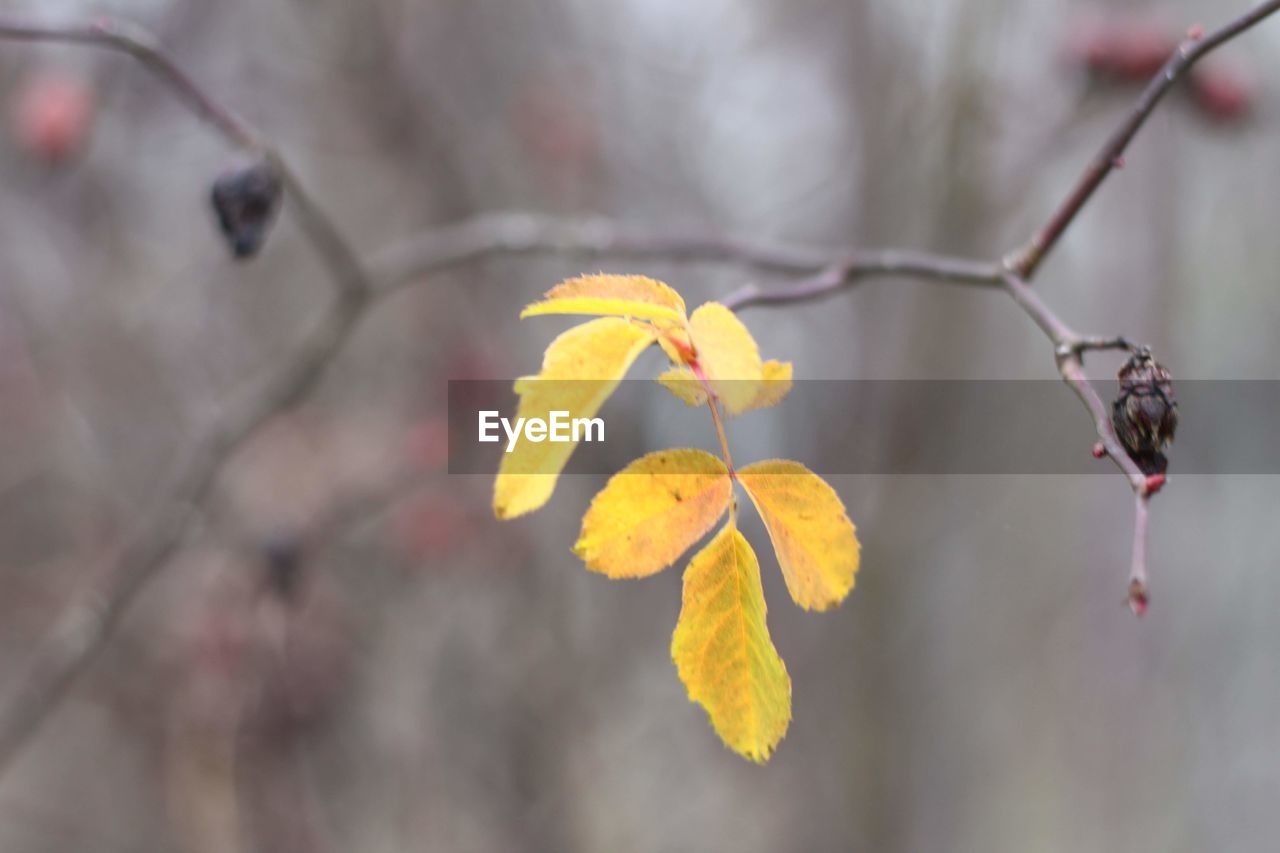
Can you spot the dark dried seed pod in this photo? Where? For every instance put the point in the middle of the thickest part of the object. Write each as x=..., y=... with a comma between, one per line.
x=246, y=200
x=1145, y=414
x=282, y=559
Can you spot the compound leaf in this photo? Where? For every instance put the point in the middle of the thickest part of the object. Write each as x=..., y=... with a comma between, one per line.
x=652, y=511
x=580, y=369
x=722, y=650
x=622, y=295
x=816, y=544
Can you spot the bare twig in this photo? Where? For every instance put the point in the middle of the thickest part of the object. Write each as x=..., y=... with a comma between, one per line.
x=1026, y=260
x=134, y=41
x=823, y=271
x=1138, y=567
x=859, y=265
x=515, y=233
x=1068, y=349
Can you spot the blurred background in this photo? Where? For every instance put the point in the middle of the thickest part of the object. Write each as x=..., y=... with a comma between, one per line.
x=338, y=661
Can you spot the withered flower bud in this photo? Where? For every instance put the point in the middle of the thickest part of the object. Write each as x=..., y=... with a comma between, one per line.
x=246, y=200
x=282, y=559
x=1145, y=414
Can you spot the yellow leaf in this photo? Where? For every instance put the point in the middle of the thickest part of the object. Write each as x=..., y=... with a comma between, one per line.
x=722, y=649
x=814, y=539
x=675, y=342
x=581, y=368
x=651, y=512
x=727, y=354
x=775, y=385
x=770, y=390
x=681, y=382
x=622, y=295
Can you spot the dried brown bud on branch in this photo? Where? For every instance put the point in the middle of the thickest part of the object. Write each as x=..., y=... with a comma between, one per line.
x=246, y=200
x=1145, y=414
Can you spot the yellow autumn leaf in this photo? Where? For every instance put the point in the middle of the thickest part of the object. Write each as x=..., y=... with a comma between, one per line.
x=722, y=650
x=681, y=382
x=772, y=388
x=621, y=295
x=652, y=511
x=727, y=354
x=675, y=342
x=814, y=539
x=580, y=369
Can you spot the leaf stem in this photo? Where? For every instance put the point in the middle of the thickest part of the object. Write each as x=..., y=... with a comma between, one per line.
x=713, y=403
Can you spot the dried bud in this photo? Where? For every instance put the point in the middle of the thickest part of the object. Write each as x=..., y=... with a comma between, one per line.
x=246, y=200
x=1145, y=414
x=282, y=560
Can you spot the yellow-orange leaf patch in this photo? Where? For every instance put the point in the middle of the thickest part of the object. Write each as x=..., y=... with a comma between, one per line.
x=814, y=539
x=775, y=384
x=682, y=383
x=727, y=354
x=580, y=369
x=652, y=511
x=621, y=295
x=773, y=387
x=722, y=650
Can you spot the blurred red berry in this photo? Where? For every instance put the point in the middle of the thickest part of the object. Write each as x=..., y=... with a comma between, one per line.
x=1123, y=49
x=52, y=115
x=432, y=526
x=427, y=443
x=1222, y=92
x=1142, y=51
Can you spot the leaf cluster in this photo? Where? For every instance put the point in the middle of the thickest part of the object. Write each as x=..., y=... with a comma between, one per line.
x=653, y=511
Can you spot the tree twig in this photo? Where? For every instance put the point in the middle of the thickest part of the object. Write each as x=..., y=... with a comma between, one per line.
x=1026, y=260
x=136, y=42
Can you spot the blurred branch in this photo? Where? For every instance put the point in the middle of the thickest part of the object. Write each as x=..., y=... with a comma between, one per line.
x=1026, y=260
x=514, y=233
x=888, y=262
x=83, y=628
x=134, y=41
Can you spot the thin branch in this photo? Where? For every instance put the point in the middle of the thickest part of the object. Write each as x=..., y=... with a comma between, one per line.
x=136, y=42
x=824, y=272
x=1069, y=348
x=340, y=259
x=1138, y=567
x=889, y=262
x=1026, y=260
